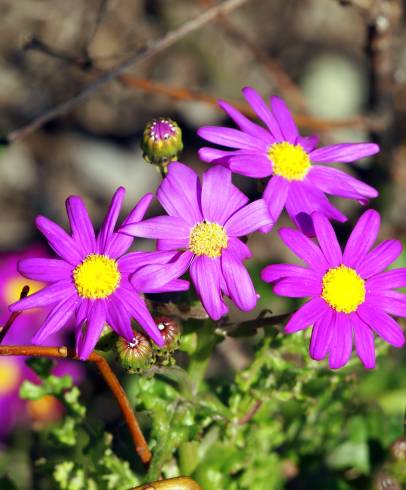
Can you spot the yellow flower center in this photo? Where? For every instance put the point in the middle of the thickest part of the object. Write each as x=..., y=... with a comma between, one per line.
x=208, y=239
x=97, y=276
x=343, y=289
x=289, y=161
x=9, y=376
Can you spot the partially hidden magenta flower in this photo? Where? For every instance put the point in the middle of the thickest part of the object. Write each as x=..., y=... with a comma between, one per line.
x=201, y=232
x=298, y=181
x=91, y=280
x=351, y=296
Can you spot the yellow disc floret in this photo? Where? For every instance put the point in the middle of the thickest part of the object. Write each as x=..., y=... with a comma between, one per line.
x=97, y=276
x=343, y=289
x=10, y=374
x=208, y=239
x=289, y=161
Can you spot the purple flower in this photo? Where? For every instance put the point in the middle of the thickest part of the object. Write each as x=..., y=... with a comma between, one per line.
x=201, y=232
x=92, y=278
x=298, y=181
x=351, y=296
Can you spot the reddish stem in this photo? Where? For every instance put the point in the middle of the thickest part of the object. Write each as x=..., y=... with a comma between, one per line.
x=140, y=443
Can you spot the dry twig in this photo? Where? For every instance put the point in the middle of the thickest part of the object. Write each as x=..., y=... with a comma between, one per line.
x=145, y=53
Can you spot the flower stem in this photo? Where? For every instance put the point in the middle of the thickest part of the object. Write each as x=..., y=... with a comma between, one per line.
x=110, y=378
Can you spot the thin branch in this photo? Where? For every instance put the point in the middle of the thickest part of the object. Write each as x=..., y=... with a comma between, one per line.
x=250, y=414
x=145, y=53
x=182, y=93
x=185, y=94
x=110, y=378
x=12, y=318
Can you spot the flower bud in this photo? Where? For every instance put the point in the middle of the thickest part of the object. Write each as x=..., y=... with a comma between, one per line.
x=162, y=142
x=170, y=331
x=137, y=355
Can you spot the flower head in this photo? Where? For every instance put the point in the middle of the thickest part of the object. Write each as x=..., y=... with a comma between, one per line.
x=91, y=279
x=162, y=141
x=201, y=232
x=298, y=181
x=351, y=295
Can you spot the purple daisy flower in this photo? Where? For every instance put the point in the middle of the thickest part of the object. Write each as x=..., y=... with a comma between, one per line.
x=92, y=278
x=201, y=232
x=351, y=295
x=298, y=181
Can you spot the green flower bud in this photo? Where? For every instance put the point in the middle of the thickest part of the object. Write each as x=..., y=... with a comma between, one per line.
x=162, y=142
x=135, y=356
x=170, y=331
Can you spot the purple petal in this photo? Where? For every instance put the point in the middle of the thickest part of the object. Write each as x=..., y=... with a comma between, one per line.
x=160, y=227
x=305, y=316
x=138, y=310
x=205, y=274
x=392, y=302
x=294, y=287
x=395, y=278
x=341, y=341
x=59, y=240
x=82, y=310
x=250, y=164
x=382, y=324
x=362, y=238
x=343, y=152
x=119, y=242
x=49, y=295
x=179, y=193
x=334, y=181
x=48, y=270
x=364, y=342
x=308, y=143
x=303, y=200
x=245, y=124
x=218, y=206
x=284, y=119
x=213, y=155
x=110, y=220
x=274, y=272
x=238, y=248
x=151, y=278
x=304, y=248
x=118, y=317
x=248, y=219
x=56, y=319
x=92, y=329
x=133, y=261
x=262, y=111
x=174, y=286
x=379, y=258
x=275, y=195
x=81, y=226
x=232, y=138
x=322, y=334
x=238, y=281
x=327, y=239
x=172, y=244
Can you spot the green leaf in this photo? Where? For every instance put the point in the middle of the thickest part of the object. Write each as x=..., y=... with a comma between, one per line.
x=40, y=365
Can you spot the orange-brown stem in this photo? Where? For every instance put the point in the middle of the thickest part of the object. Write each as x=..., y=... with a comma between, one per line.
x=113, y=383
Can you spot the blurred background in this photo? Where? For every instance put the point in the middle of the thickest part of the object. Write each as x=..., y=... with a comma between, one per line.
x=340, y=65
